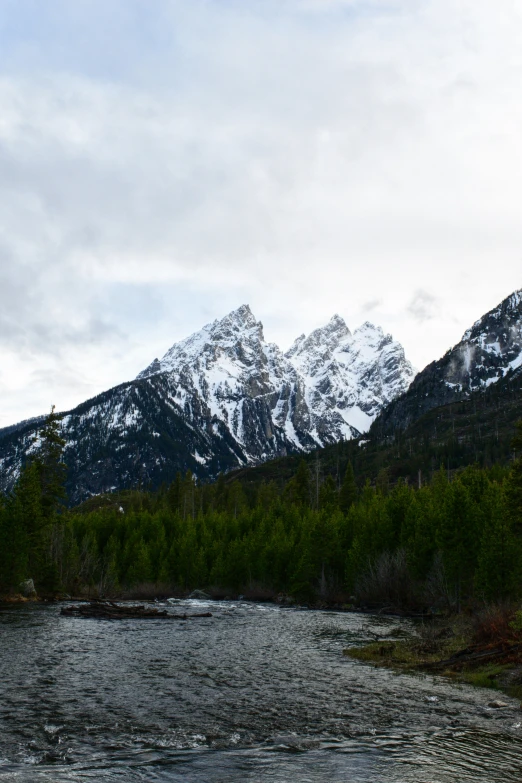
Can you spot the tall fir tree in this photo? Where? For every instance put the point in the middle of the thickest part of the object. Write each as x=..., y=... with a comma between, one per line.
x=51, y=467
x=514, y=485
x=349, y=492
x=298, y=488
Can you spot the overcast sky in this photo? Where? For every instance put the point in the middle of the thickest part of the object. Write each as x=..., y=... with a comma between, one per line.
x=164, y=161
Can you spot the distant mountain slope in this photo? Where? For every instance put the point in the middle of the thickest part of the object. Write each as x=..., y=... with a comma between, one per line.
x=477, y=429
x=220, y=399
x=36, y=420
x=488, y=352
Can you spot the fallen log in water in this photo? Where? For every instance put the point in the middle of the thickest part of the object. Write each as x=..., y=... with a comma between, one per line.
x=472, y=655
x=108, y=610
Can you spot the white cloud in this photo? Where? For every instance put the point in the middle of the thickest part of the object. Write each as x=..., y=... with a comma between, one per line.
x=307, y=157
x=423, y=306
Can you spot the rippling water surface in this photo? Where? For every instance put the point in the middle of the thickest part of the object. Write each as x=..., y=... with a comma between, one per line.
x=255, y=693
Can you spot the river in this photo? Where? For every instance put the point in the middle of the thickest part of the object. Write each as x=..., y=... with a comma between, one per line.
x=256, y=693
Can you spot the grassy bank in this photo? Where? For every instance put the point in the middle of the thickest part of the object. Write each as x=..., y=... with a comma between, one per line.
x=484, y=650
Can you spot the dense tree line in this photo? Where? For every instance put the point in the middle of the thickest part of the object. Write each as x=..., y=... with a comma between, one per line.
x=454, y=541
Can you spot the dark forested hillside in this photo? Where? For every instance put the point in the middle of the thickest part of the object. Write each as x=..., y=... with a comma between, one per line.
x=453, y=539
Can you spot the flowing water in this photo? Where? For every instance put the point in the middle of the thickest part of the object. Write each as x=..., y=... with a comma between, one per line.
x=256, y=693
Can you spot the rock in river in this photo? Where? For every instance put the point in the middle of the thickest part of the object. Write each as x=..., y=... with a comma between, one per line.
x=27, y=588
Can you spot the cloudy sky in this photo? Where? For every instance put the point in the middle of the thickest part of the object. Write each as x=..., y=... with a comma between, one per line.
x=164, y=161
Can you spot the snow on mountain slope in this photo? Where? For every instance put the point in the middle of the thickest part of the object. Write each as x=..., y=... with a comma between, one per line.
x=491, y=348
x=227, y=372
x=221, y=399
x=329, y=386
x=487, y=352
x=133, y=435
x=349, y=378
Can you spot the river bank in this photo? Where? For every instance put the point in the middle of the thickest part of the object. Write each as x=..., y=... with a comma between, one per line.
x=152, y=593
x=485, y=650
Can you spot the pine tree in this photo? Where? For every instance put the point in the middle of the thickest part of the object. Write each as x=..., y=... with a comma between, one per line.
x=14, y=546
x=328, y=496
x=298, y=488
x=32, y=510
x=139, y=569
x=52, y=469
x=174, y=494
x=188, y=498
x=514, y=486
x=236, y=500
x=267, y=496
x=499, y=556
x=459, y=538
x=348, y=494
x=27, y=519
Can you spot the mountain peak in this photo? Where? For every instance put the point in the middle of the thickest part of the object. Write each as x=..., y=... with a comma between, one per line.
x=324, y=338
x=238, y=326
x=370, y=333
x=337, y=322
x=330, y=382
x=242, y=315
x=367, y=326
x=507, y=314
x=239, y=319
x=223, y=398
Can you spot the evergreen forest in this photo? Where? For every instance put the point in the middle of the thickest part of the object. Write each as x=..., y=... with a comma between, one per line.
x=452, y=542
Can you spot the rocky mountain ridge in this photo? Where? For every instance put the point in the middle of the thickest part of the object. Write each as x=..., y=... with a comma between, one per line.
x=327, y=387
x=489, y=351
x=220, y=399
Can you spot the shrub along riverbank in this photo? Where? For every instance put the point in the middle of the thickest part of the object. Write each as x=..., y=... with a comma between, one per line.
x=483, y=650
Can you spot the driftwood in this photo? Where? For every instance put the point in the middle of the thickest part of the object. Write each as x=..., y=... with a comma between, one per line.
x=108, y=610
x=475, y=655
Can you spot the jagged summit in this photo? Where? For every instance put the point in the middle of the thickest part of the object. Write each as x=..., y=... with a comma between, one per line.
x=509, y=310
x=242, y=316
x=349, y=378
x=322, y=339
x=236, y=324
x=368, y=328
x=224, y=397
x=328, y=386
x=493, y=345
x=228, y=335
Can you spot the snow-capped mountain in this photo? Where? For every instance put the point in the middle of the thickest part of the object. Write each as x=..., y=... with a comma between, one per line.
x=329, y=386
x=227, y=375
x=224, y=398
x=490, y=350
x=348, y=378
